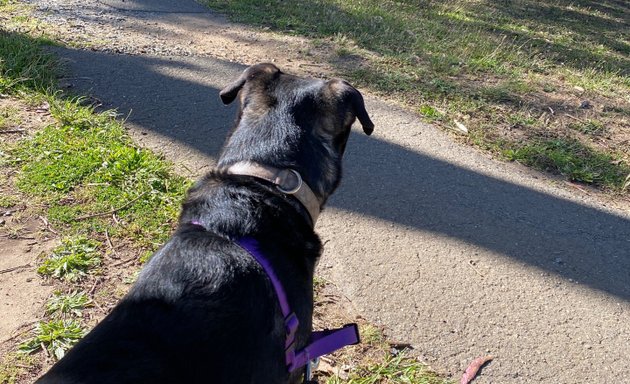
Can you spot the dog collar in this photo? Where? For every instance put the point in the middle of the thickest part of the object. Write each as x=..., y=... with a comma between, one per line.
x=321, y=342
x=288, y=181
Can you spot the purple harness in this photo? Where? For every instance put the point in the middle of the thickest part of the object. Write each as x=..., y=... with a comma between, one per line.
x=321, y=342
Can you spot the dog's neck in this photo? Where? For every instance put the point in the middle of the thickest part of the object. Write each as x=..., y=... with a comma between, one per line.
x=288, y=181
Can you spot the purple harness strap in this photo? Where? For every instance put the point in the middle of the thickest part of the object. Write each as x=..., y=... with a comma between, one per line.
x=322, y=342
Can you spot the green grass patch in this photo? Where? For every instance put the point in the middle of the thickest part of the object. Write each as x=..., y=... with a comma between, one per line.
x=72, y=260
x=395, y=369
x=9, y=118
x=371, y=334
x=57, y=336
x=573, y=160
x=71, y=304
x=430, y=112
x=23, y=65
x=86, y=166
x=588, y=127
x=13, y=366
x=8, y=201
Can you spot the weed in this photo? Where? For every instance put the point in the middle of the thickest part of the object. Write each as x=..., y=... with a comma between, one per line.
x=71, y=260
x=371, y=334
x=394, y=369
x=9, y=118
x=430, y=112
x=57, y=336
x=14, y=365
x=588, y=127
x=67, y=304
x=8, y=201
x=132, y=278
x=521, y=120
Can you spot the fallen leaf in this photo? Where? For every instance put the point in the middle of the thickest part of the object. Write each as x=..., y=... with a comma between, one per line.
x=460, y=127
x=473, y=368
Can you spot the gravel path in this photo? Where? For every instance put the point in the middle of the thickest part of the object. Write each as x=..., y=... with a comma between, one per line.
x=452, y=251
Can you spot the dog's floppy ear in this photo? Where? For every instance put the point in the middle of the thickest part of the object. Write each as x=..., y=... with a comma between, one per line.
x=229, y=93
x=358, y=105
x=346, y=92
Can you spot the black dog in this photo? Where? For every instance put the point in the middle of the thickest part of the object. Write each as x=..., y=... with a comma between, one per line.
x=203, y=310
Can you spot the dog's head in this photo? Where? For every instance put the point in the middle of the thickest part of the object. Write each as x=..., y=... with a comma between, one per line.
x=287, y=121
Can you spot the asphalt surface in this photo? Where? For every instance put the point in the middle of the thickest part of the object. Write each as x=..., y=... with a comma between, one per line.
x=451, y=251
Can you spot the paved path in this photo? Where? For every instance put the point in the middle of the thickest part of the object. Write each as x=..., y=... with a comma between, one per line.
x=453, y=252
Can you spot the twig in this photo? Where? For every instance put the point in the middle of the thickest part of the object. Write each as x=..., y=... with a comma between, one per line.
x=472, y=265
x=14, y=268
x=112, y=211
x=19, y=130
x=47, y=225
x=577, y=187
x=118, y=264
x=574, y=118
x=98, y=306
x=91, y=291
x=44, y=348
x=111, y=246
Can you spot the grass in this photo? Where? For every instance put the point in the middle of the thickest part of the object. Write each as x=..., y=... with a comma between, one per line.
x=13, y=366
x=72, y=304
x=56, y=336
x=572, y=159
x=481, y=63
x=8, y=118
x=23, y=65
x=86, y=165
x=395, y=369
x=72, y=260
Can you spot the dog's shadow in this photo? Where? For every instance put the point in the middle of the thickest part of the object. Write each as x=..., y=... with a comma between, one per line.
x=177, y=98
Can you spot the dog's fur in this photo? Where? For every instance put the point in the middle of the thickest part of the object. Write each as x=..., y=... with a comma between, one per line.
x=203, y=310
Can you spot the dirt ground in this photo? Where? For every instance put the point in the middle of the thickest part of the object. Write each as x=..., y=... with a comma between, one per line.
x=23, y=237
x=447, y=249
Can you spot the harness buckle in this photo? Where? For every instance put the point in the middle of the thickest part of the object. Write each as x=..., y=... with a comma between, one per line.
x=308, y=372
x=291, y=324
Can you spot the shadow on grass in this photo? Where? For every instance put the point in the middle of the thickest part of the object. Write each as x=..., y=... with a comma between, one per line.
x=175, y=98
x=22, y=65
x=567, y=33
